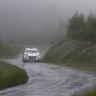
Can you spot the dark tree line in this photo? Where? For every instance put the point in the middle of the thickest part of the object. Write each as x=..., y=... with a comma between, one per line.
x=82, y=28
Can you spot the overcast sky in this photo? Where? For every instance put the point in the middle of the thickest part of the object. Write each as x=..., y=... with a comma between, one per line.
x=27, y=16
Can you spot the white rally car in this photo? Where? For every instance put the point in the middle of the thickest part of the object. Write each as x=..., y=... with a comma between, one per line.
x=31, y=54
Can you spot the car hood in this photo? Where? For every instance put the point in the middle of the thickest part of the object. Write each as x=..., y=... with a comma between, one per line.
x=33, y=54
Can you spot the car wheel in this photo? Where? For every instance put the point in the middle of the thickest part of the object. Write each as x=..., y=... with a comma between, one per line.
x=38, y=60
x=24, y=61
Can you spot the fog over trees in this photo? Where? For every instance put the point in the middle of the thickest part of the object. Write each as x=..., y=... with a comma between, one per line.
x=39, y=21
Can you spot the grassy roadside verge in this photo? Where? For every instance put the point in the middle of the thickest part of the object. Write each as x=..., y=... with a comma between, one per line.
x=75, y=54
x=87, y=93
x=11, y=75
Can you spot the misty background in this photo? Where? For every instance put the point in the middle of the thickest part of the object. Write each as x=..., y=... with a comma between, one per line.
x=39, y=21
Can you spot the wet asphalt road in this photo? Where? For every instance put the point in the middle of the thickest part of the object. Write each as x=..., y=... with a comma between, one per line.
x=48, y=79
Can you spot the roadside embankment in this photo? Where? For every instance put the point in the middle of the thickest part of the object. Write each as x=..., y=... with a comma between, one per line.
x=73, y=53
x=89, y=92
x=11, y=75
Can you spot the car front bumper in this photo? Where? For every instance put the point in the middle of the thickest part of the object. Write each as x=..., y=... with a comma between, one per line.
x=31, y=58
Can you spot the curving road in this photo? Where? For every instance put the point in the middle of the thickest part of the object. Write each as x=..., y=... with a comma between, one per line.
x=48, y=79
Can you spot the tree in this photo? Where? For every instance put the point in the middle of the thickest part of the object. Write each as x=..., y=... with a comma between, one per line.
x=91, y=28
x=75, y=27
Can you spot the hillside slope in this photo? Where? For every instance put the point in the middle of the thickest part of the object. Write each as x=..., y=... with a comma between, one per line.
x=73, y=53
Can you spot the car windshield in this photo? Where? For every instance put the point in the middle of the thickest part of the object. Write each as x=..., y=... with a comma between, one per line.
x=31, y=51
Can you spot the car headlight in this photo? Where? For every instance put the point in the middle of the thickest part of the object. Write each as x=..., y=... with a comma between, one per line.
x=25, y=55
x=38, y=56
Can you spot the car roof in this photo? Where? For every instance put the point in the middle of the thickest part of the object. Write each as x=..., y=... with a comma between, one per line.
x=31, y=49
x=34, y=49
x=27, y=48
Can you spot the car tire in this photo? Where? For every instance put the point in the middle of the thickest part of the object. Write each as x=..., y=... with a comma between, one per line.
x=38, y=60
x=24, y=61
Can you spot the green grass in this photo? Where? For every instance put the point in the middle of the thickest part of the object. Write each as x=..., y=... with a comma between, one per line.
x=73, y=53
x=9, y=51
x=11, y=75
x=87, y=93
x=61, y=50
